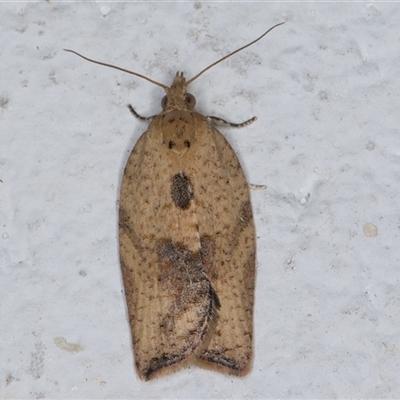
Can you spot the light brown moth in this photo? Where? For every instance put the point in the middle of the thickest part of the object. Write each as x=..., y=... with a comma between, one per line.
x=187, y=241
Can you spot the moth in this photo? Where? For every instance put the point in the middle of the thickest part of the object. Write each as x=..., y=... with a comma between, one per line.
x=187, y=240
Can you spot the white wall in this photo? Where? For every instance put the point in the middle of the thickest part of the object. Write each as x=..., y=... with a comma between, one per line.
x=325, y=88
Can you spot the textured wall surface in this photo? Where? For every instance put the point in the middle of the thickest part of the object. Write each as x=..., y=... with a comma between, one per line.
x=325, y=88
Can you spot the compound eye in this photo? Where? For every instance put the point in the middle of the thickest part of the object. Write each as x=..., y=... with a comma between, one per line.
x=190, y=100
x=164, y=102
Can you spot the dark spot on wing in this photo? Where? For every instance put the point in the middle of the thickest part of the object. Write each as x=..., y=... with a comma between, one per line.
x=181, y=191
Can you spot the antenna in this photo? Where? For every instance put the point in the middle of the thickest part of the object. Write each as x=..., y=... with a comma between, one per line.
x=231, y=54
x=190, y=80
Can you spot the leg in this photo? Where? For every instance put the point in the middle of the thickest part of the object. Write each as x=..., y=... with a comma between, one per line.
x=221, y=122
x=132, y=110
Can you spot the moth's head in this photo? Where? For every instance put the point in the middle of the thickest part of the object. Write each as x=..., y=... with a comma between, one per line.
x=177, y=98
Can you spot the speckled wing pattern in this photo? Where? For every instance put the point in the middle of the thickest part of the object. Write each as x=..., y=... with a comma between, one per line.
x=187, y=248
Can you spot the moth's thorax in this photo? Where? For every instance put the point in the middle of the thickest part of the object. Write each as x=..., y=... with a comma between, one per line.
x=178, y=130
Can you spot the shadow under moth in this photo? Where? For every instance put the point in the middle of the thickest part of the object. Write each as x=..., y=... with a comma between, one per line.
x=187, y=240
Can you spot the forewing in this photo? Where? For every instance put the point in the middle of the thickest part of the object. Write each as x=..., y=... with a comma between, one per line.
x=229, y=248
x=170, y=300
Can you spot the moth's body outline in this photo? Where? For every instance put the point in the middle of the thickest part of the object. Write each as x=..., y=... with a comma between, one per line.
x=187, y=241
x=195, y=158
